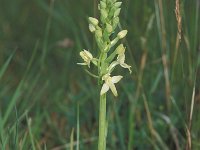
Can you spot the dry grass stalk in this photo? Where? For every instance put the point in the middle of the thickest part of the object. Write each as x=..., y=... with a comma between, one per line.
x=178, y=18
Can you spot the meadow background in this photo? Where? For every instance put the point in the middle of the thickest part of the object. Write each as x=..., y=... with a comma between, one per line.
x=47, y=100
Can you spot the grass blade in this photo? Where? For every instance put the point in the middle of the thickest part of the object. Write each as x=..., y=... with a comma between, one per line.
x=5, y=66
x=72, y=140
x=77, y=129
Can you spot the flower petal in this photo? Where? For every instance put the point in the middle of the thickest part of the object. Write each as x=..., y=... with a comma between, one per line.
x=121, y=58
x=104, y=89
x=88, y=54
x=124, y=65
x=112, y=66
x=83, y=64
x=113, y=88
x=116, y=79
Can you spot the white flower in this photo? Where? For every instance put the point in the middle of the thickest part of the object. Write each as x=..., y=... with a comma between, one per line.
x=110, y=84
x=87, y=57
x=121, y=61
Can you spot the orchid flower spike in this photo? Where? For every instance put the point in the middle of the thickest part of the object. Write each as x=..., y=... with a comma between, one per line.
x=87, y=57
x=110, y=84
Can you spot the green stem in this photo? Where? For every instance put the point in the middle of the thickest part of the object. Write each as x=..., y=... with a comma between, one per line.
x=102, y=123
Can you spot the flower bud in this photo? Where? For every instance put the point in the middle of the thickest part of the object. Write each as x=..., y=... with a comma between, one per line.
x=117, y=12
x=109, y=28
x=104, y=13
x=102, y=4
x=118, y=4
x=98, y=33
x=92, y=28
x=122, y=34
x=115, y=22
x=93, y=21
x=120, y=49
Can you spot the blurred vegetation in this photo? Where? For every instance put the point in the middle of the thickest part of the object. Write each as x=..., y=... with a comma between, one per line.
x=44, y=95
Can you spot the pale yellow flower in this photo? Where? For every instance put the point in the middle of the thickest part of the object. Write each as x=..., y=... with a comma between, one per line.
x=121, y=61
x=110, y=84
x=87, y=57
